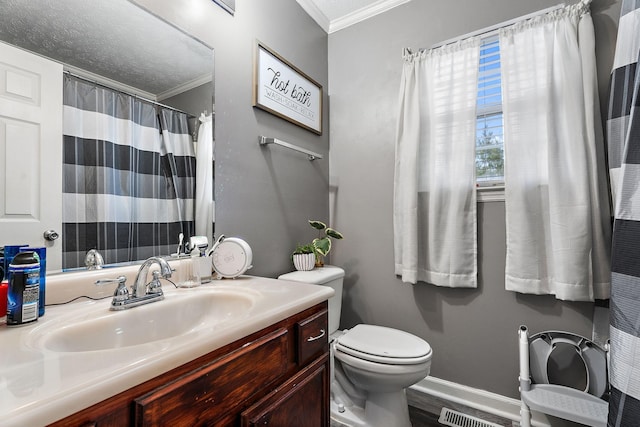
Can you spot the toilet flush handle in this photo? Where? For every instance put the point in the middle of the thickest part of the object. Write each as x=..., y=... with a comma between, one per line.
x=311, y=339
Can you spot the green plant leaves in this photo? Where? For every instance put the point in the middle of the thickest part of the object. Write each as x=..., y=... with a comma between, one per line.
x=334, y=233
x=317, y=224
x=322, y=246
x=304, y=249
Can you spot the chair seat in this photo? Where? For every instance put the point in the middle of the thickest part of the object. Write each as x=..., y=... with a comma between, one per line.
x=567, y=403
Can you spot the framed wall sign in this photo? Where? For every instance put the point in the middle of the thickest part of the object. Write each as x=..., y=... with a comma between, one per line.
x=228, y=5
x=282, y=89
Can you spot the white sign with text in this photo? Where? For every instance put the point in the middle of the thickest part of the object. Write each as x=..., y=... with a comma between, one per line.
x=285, y=91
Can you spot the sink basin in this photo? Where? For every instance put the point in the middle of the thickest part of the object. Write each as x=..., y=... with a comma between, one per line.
x=177, y=315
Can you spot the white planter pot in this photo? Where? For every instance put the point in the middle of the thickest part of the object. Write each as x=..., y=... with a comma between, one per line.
x=304, y=262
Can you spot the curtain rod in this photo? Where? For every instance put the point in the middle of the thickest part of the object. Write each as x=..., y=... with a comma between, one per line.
x=488, y=30
x=133, y=95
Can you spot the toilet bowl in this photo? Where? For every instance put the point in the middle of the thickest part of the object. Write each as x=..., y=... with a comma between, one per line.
x=371, y=366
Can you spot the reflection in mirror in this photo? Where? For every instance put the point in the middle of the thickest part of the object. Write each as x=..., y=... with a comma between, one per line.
x=137, y=92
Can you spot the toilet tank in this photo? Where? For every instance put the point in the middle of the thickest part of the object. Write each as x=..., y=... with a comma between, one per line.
x=326, y=276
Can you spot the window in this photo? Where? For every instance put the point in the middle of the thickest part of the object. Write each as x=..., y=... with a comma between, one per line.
x=489, y=129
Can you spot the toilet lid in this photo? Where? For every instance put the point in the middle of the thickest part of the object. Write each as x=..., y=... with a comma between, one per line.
x=384, y=345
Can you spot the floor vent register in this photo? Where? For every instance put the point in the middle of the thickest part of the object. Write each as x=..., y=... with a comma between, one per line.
x=449, y=417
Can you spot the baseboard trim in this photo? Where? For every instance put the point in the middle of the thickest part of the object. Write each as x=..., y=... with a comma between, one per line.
x=481, y=400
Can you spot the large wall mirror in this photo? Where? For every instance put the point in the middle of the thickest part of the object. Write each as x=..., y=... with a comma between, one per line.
x=118, y=47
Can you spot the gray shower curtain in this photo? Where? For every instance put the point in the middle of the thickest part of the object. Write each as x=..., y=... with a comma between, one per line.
x=623, y=139
x=128, y=175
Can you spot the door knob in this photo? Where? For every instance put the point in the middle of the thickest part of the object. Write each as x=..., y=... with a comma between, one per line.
x=51, y=235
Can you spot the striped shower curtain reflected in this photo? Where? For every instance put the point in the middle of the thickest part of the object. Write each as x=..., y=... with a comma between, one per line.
x=623, y=140
x=128, y=175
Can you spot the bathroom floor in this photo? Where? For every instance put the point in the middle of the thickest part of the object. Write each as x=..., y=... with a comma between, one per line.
x=419, y=418
x=424, y=411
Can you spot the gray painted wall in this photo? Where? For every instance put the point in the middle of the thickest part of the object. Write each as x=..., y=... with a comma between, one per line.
x=194, y=102
x=264, y=195
x=473, y=332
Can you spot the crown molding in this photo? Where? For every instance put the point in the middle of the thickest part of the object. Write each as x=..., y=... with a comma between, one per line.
x=110, y=83
x=354, y=17
x=314, y=12
x=365, y=13
x=198, y=81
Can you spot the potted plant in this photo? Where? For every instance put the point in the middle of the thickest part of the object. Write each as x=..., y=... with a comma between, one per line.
x=304, y=257
x=322, y=245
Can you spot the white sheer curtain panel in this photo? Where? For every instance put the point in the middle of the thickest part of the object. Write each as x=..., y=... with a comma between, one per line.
x=434, y=188
x=557, y=208
x=204, y=179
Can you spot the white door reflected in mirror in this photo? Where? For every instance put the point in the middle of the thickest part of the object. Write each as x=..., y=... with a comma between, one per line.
x=30, y=137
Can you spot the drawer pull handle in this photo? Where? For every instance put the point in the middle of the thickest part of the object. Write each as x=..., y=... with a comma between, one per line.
x=310, y=339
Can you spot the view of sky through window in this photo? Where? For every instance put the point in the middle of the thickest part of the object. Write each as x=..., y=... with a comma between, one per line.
x=489, y=134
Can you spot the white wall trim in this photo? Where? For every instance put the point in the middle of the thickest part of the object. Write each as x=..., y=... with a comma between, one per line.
x=198, y=81
x=314, y=12
x=481, y=400
x=105, y=81
x=360, y=15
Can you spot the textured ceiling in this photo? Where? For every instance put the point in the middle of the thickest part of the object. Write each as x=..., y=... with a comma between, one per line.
x=112, y=38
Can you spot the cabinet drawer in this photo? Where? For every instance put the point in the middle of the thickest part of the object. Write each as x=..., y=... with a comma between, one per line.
x=312, y=336
x=205, y=394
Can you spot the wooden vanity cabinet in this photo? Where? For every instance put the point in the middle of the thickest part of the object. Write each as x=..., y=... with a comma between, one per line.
x=278, y=376
x=295, y=403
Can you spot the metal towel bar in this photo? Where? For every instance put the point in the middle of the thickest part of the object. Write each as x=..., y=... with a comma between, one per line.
x=263, y=140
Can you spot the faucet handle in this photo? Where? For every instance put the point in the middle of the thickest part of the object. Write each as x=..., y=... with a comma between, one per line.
x=121, y=293
x=119, y=279
x=155, y=287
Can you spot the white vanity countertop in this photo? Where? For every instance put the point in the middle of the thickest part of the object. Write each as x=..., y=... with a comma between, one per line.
x=39, y=386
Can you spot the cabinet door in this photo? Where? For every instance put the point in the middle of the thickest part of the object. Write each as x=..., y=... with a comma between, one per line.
x=212, y=392
x=302, y=401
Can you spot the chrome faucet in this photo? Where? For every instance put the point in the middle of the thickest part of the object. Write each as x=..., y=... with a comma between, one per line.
x=93, y=260
x=141, y=291
x=139, y=288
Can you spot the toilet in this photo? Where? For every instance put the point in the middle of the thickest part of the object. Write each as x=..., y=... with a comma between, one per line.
x=371, y=366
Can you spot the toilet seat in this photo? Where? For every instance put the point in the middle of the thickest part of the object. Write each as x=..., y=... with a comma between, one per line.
x=383, y=345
